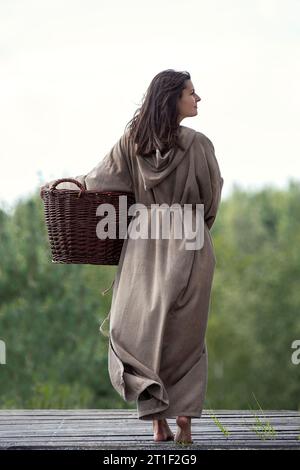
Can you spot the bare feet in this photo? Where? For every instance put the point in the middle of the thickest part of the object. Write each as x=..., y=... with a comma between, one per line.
x=183, y=434
x=161, y=430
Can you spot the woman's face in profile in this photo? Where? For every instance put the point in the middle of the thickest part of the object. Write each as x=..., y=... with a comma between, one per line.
x=187, y=104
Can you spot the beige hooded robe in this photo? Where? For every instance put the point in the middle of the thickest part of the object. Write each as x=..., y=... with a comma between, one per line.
x=157, y=354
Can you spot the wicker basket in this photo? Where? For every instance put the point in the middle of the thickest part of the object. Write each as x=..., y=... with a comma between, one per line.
x=71, y=222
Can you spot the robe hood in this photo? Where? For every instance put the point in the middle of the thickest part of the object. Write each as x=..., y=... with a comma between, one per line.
x=156, y=167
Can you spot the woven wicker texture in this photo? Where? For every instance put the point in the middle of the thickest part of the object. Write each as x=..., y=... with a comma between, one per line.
x=71, y=222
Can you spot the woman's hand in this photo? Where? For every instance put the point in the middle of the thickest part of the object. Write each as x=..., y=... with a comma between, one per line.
x=45, y=186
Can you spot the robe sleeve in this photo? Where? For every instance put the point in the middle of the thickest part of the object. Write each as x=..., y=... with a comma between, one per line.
x=210, y=180
x=112, y=173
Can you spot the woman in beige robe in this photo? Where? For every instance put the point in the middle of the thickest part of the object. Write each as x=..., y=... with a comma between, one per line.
x=157, y=354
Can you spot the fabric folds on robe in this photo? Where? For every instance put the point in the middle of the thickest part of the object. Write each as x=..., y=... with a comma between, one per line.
x=157, y=353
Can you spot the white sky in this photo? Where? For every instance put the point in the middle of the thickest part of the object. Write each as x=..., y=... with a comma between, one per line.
x=73, y=72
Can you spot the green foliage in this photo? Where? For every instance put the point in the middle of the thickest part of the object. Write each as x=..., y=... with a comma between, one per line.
x=254, y=314
x=50, y=313
x=49, y=319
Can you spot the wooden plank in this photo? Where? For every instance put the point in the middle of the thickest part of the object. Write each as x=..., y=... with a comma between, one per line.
x=120, y=429
x=118, y=412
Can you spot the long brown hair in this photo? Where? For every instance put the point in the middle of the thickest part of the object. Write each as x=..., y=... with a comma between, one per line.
x=155, y=124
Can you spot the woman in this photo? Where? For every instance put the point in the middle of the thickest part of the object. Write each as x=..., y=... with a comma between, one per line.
x=161, y=297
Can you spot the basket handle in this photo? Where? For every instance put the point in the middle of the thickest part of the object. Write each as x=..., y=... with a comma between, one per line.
x=68, y=180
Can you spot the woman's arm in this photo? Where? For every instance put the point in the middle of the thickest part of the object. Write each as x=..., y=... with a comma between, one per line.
x=210, y=179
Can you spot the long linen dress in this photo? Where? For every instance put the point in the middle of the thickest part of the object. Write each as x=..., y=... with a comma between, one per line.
x=157, y=353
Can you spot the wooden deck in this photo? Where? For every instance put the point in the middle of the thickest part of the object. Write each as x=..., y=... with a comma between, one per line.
x=120, y=429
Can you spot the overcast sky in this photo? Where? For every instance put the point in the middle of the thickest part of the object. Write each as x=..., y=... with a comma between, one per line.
x=73, y=72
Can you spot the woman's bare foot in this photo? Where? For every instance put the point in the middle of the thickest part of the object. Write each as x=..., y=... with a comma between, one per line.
x=161, y=430
x=183, y=434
